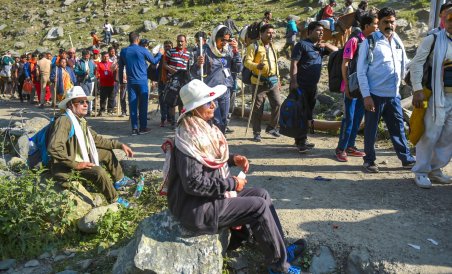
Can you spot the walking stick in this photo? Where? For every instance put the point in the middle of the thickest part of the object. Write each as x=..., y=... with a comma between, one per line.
x=70, y=39
x=243, y=100
x=118, y=96
x=254, y=100
x=201, y=69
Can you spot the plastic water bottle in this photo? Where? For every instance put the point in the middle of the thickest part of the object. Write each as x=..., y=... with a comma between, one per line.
x=123, y=202
x=32, y=147
x=139, y=189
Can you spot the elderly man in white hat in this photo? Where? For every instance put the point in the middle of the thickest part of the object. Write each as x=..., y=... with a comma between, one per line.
x=203, y=195
x=75, y=146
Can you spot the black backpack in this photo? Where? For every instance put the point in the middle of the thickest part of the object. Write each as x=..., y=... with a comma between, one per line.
x=175, y=83
x=292, y=115
x=153, y=72
x=246, y=72
x=335, y=70
x=253, y=31
x=319, y=14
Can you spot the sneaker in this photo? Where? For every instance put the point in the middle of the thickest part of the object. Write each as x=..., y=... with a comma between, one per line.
x=123, y=202
x=135, y=132
x=303, y=148
x=409, y=165
x=354, y=152
x=124, y=183
x=273, y=132
x=257, y=138
x=440, y=178
x=229, y=130
x=341, y=155
x=423, y=181
x=292, y=270
x=145, y=130
x=371, y=167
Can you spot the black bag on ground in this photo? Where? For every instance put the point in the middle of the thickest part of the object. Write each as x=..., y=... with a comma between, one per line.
x=175, y=83
x=335, y=70
x=292, y=115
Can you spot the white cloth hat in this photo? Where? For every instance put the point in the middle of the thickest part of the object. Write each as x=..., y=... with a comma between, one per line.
x=196, y=93
x=74, y=92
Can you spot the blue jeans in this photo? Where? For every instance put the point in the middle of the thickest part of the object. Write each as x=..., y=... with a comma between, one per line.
x=331, y=20
x=390, y=109
x=353, y=115
x=220, y=118
x=107, y=37
x=138, y=98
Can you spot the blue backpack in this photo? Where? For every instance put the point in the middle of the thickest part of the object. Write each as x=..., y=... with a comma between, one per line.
x=292, y=115
x=41, y=140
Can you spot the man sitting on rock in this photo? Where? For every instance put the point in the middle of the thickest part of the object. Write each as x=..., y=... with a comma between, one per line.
x=74, y=146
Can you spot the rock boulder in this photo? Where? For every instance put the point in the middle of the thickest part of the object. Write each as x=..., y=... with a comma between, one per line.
x=161, y=245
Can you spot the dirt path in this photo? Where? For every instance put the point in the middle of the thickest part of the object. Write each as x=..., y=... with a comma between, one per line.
x=383, y=212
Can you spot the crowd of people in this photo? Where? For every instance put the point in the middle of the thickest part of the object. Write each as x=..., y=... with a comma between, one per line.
x=201, y=82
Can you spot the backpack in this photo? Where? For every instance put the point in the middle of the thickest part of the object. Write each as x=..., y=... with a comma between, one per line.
x=253, y=31
x=153, y=72
x=351, y=71
x=335, y=70
x=41, y=140
x=246, y=72
x=175, y=83
x=292, y=115
x=319, y=14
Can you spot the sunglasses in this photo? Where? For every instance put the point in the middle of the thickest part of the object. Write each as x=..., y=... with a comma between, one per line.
x=81, y=102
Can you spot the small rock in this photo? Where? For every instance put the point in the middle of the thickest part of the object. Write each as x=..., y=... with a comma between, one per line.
x=323, y=262
x=88, y=223
x=163, y=21
x=84, y=264
x=68, y=2
x=144, y=10
x=49, y=12
x=32, y=263
x=44, y=255
x=384, y=162
x=59, y=258
x=2, y=27
x=19, y=45
x=149, y=25
x=81, y=20
x=358, y=262
x=7, y=264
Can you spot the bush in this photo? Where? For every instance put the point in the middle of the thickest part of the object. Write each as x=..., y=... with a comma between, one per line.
x=33, y=215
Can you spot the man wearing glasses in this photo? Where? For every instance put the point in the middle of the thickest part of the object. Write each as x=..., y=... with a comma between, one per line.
x=381, y=67
x=73, y=146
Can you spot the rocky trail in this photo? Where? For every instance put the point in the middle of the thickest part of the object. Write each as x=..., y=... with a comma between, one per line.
x=351, y=219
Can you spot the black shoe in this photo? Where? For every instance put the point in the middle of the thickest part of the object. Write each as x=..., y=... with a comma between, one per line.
x=135, y=132
x=310, y=145
x=257, y=138
x=371, y=167
x=409, y=165
x=229, y=130
x=274, y=132
x=144, y=130
x=303, y=148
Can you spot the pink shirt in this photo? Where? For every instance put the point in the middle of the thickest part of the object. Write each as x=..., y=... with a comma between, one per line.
x=349, y=51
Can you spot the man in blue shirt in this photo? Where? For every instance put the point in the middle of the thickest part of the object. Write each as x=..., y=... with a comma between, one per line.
x=305, y=69
x=380, y=71
x=134, y=59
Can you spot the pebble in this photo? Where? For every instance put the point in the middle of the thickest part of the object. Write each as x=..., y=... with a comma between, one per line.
x=32, y=263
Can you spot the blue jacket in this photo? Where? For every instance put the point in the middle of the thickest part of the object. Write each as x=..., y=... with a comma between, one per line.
x=214, y=67
x=57, y=73
x=134, y=59
x=80, y=70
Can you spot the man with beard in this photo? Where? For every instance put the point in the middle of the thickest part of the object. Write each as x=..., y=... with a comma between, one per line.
x=381, y=67
x=305, y=69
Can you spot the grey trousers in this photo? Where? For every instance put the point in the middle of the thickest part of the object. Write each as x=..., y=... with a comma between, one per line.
x=275, y=104
x=253, y=206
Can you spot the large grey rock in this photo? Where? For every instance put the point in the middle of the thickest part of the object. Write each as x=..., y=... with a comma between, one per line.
x=7, y=264
x=123, y=29
x=323, y=262
x=68, y=2
x=32, y=263
x=161, y=245
x=163, y=21
x=55, y=33
x=81, y=20
x=402, y=23
x=35, y=124
x=358, y=262
x=16, y=163
x=22, y=145
x=19, y=45
x=88, y=223
x=83, y=200
x=149, y=25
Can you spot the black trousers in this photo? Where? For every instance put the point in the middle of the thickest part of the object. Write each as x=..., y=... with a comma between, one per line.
x=254, y=207
x=309, y=98
x=107, y=93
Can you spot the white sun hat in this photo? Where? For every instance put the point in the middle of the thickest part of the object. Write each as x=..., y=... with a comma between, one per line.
x=196, y=93
x=74, y=92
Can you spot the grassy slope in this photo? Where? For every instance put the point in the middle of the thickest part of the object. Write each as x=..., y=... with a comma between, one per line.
x=203, y=18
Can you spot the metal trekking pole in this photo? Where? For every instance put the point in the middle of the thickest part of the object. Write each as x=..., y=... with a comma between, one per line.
x=201, y=69
x=253, y=101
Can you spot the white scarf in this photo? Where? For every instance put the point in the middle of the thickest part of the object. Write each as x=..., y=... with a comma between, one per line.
x=213, y=45
x=81, y=140
x=439, y=55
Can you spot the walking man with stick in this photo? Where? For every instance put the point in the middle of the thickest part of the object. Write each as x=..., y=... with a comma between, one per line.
x=262, y=59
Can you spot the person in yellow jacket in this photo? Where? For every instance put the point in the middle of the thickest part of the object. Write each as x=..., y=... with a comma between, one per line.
x=261, y=58
x=434, y=148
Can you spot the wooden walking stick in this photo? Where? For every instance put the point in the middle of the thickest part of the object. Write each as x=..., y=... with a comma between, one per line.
x=118, y=98
x=243, y=99
x=253, y=101
x=201, y=69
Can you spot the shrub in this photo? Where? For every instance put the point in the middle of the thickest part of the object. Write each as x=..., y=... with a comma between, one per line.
x=33, y=215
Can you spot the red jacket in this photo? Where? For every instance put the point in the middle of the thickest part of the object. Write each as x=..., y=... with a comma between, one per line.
x=328, y=12
x=106, y=75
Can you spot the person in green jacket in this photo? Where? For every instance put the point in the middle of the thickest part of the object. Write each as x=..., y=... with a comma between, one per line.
x=85, y=150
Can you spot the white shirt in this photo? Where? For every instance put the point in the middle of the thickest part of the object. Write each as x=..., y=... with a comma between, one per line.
x=108, y=27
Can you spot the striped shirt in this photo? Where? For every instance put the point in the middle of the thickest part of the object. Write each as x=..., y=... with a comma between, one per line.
x=178, y=59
